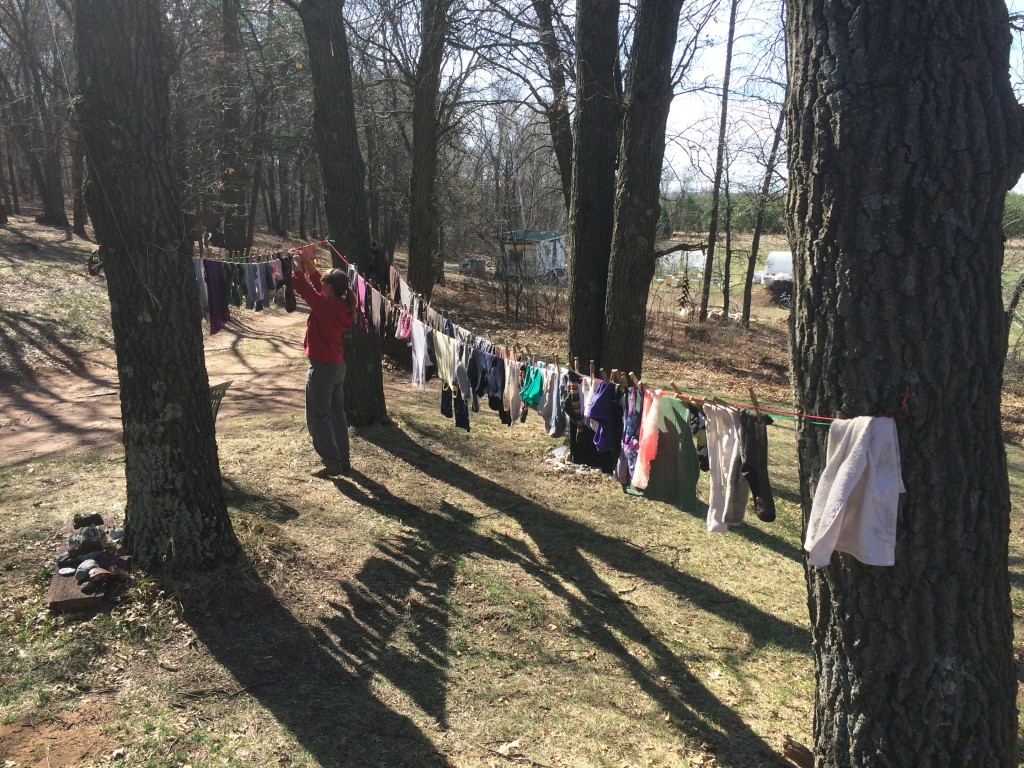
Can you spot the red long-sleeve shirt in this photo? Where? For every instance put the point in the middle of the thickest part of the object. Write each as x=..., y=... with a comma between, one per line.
x=328, y=319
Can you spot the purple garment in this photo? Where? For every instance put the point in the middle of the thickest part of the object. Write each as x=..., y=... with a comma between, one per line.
x=604, y=408
x=217, y=285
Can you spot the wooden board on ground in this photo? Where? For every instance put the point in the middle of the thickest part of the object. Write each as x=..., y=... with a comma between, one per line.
x=65, y=594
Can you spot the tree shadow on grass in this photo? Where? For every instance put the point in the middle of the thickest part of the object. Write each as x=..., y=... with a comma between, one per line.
x=602, y=615
x=303, y=679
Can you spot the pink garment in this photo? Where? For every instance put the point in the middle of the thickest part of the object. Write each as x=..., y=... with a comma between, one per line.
x=648, y=440
x=361, y=296
x=404, y=330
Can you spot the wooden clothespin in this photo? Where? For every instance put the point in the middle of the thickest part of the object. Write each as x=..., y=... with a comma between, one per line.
x=634, y=379
x=576, y=365
x=591, y=370
x=615, y=375
x=624, y=379
x=676, y=390
x=753, y=399
x=558, y=366
x=602, y=374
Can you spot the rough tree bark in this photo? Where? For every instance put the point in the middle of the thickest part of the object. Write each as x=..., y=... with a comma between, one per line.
x=343, y=173
x=595, y=149
x=762, y=206
x=637, y=203
x=234, y=170
x=903, y=138
x=557, y=112
x=434, y=23
x=709, y=261
x=175, y=517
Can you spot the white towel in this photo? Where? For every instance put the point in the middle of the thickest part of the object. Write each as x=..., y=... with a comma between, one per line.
x=419, y=353
x=857, y=497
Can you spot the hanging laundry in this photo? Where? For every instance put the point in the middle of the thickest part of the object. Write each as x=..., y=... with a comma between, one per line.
x=648, y=439
x=217, y=288
x=434, y=319
x=461, y=414
x=463, y=355
x=289, y=290
x=532, y=386
x=547, y=403
x=727, y=500
x=581, y=437
x=204, y=296
x=605, y=411
x=444, y=355
x=269, y=281
x=496, y=387
x=512, y=400
x=698, y=427
x=404, y=330
x=419, y=353
x=557, y=421
x=394, y=281
x=377, y=311
x=672, y=477
x=405, y=296
x=857, y=499
x=632, y=413
x=754, y=458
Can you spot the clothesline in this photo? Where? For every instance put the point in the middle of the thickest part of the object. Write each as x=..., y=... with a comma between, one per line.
x=900, y=412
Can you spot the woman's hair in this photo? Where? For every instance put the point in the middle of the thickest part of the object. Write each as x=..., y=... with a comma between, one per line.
x=338, y=280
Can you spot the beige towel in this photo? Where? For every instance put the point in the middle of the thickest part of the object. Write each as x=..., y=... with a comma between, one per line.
x=857, y=497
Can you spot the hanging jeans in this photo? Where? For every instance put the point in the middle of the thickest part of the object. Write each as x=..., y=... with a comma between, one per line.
x=325, y=411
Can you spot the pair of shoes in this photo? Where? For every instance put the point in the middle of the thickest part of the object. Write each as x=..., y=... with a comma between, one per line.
x=333, y=469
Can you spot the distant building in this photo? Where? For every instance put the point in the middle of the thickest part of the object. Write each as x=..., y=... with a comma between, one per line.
x=531, y=252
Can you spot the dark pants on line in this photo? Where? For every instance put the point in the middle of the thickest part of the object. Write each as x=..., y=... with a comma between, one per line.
x=325, y=411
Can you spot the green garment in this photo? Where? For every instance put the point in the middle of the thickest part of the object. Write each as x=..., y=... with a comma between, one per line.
x=674, y=468
x=532, y=386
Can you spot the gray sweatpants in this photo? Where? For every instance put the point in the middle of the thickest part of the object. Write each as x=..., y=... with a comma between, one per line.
x=325, y=411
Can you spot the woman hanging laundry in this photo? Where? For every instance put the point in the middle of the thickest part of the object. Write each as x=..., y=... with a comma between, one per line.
x=332, y=312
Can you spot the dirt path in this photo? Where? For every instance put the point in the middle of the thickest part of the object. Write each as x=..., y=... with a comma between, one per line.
x=62, y=414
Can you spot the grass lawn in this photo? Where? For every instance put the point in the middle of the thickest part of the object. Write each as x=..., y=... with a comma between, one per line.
x=459, y=600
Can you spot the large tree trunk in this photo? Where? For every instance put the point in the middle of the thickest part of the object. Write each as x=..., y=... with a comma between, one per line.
x=637, y=204
x=903, y=137
x=557, y=111
x=341, y=165
x=175, y=517
x=234, y=170
x=709, y=261
x=422, y=210
x=762, y=206
x=595, y=148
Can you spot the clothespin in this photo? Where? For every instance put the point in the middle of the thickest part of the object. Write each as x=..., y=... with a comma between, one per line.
x=591, y=370
x=634, y=379
x=602, y=374
x=623, y=379
x=676, y=390
x=753, y=399
x=558, y=366
x=615, y=376
x=576, y=365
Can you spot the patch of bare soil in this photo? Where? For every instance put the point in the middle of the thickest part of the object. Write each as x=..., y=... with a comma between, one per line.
x=65, y=413
x=58, y=739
